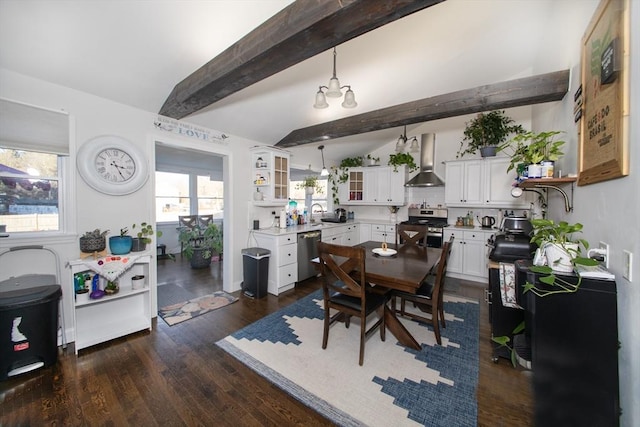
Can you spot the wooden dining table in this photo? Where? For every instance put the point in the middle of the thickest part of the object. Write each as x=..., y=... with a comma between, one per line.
x=403, y=271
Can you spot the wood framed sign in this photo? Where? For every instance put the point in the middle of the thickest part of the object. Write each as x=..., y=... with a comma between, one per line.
x=603, y=151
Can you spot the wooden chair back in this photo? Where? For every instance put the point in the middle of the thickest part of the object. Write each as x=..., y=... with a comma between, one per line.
x=346, y=277
x=188, y=221
x=411, y=234
x=204, y=220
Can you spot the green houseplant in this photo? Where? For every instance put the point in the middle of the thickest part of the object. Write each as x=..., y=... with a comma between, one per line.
x=531, y=148
x=562, y=252
x=486, y=133
x=143, y=236
x=399, y=159
x=199, y=245
x=310, y=184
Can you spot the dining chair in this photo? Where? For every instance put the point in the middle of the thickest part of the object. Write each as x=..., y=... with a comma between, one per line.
x=188, y=222
x=344, y=289
x=411, y=234
x=429, y=296
x=204, y=221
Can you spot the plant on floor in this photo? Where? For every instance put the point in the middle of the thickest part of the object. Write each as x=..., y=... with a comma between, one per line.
x=199, y=244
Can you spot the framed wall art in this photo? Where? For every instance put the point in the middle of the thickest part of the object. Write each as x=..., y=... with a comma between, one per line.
x=603, y=151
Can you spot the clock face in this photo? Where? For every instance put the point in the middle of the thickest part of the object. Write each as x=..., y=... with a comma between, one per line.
x=115, y=165
x=112, y=165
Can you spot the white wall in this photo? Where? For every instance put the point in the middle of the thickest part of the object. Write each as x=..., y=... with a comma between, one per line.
x=608, y=210
x=97, y=116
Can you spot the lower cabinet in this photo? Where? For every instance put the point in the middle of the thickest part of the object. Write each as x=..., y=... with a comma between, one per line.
x=383, y=233
x=574, y=352
x=351, y=235
x=468, y=259
x=334, y=235
x=283, y=263
x=112, y=316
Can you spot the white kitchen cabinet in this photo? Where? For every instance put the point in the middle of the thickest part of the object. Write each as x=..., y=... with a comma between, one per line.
x=283, y=263
x=352, y=235
x=374, y=186
x=270, y=175
x=334, y=235
x=468, y=259
x=498, y=185
x=365, y=232
x=112, y=316
x=464, y=181
x=480, y=183
x=383, y=233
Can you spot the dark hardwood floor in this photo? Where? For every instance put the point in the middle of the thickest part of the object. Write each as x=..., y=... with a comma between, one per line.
x=178, y=376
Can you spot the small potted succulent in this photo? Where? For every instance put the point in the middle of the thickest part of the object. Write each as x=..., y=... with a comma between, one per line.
x=93, y=241
x=121, y=245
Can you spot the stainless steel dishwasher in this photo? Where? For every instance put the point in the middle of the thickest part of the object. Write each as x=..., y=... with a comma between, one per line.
x=307, y=250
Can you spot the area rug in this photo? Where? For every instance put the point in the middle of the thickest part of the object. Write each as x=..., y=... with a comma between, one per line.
x=177, y=313
x=173, y=294
x=397, y=386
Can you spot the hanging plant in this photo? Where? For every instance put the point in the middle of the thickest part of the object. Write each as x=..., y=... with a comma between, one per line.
x=399, y=159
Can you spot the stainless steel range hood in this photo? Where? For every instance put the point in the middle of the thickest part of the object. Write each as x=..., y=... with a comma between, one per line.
x=427, y=177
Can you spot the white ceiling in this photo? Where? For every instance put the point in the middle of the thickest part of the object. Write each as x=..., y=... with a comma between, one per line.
x=134, y=52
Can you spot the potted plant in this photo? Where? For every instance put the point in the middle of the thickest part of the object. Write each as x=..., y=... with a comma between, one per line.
x=310, y=184
x=143, y=237
x=200, y=245
x=373, y=161
x=120, y=245
x=486, y=133
x=111, y=288
x=398, y=159
x=562, y=253
x=532, y=149
x=93, y=241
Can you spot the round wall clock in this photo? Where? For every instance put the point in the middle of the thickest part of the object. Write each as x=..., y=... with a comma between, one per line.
x=112, y=165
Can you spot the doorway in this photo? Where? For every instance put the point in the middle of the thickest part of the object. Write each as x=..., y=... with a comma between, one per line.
x=188, y=182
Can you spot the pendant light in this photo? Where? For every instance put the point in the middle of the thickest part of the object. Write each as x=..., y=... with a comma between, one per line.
x=334, y=90
x=324, y=171
x=401, y=144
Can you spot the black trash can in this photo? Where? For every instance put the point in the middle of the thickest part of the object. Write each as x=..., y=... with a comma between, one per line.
x=255, y=263
x=28, y=329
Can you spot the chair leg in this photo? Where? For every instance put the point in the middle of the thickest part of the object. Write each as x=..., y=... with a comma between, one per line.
x=383, y=326
x=363, y=329
x=436, y=326
x=325, y=333
x=441, y=311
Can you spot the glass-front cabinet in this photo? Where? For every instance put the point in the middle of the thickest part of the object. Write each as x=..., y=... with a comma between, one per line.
x=270, y=175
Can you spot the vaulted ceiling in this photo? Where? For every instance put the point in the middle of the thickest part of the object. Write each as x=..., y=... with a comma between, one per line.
x=136, y=52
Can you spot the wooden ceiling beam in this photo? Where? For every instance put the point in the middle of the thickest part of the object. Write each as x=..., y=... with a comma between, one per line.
x=303, y=29
x=513, y=93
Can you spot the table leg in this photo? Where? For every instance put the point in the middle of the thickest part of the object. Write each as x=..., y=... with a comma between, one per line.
x=398, y=330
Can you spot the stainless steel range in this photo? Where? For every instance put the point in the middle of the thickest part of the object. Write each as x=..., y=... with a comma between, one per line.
x=434, y=219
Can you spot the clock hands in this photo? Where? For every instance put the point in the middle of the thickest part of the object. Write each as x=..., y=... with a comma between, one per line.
x=118, y=167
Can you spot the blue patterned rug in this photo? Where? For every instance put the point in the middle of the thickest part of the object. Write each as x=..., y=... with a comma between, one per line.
x=396, y=386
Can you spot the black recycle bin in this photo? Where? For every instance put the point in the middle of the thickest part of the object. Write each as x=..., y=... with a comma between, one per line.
x=28, y=329
x=255, y=263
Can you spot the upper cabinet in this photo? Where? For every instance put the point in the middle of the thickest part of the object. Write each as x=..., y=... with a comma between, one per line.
x=378, y=185
x=270, y=175
x=478, y=183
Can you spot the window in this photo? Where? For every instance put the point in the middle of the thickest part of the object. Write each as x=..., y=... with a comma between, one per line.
x=34, y=145
x=175, y=197
x=210, y=197
x=172, y=196
x=298, y=194
x=29, y=190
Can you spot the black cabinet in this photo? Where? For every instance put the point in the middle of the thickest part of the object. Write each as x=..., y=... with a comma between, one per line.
x=574, y=344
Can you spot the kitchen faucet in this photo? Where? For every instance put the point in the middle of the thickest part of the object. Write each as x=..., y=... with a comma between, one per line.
x=311, y=210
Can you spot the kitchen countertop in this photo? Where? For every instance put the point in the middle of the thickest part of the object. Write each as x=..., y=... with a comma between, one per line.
x=470, y=228
x=317, y=226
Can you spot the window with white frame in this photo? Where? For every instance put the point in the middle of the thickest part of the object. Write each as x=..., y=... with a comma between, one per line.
x=33, y=144
x=187, y=194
